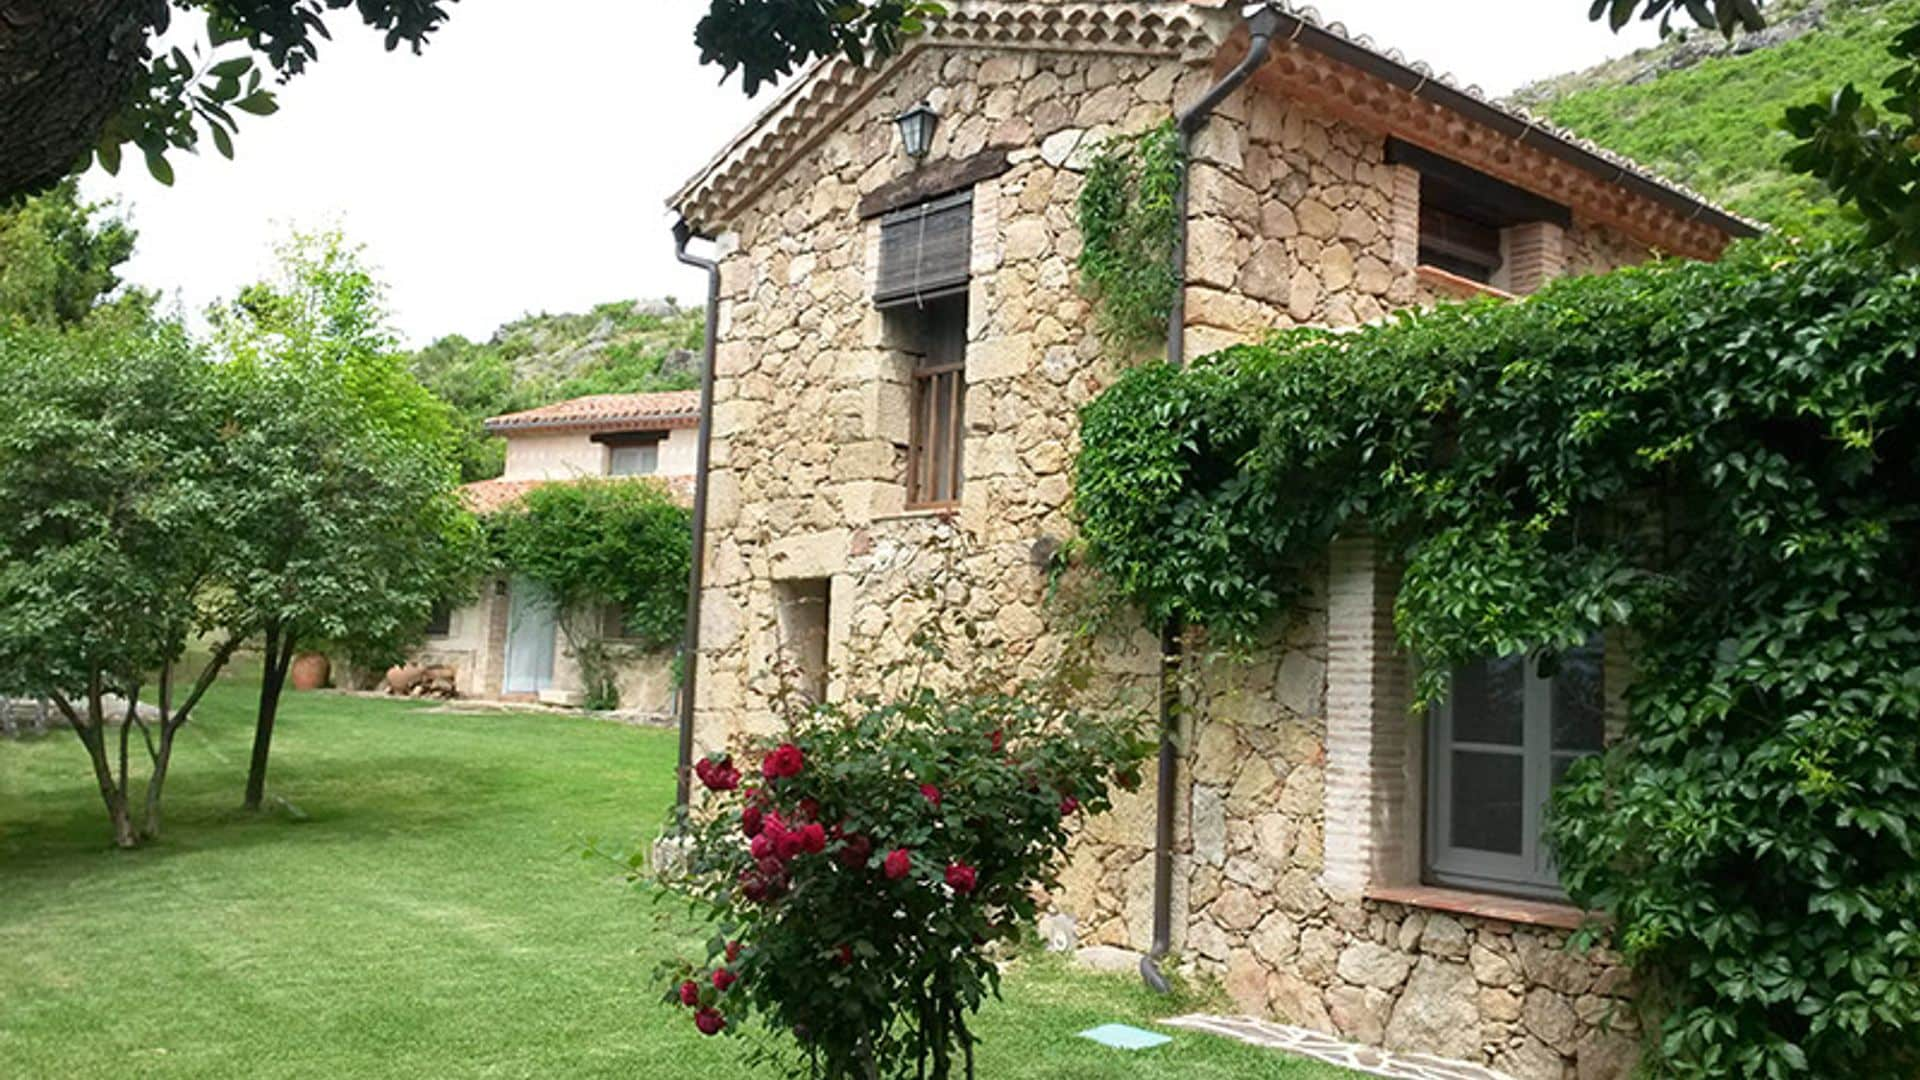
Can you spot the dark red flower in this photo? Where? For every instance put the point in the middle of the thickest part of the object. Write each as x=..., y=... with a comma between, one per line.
x=961, y=878
x=808, y=810
x=1129, y=780
x=733, y=951
x=898, y=864
x=789, y=845
x=772, y=867
x=709, y=1021
x=857, y=851
x=1069, y=806
x=763, y=846
x=813, y=838
x=723, y=979
x=846, y=956
x=718, y=774
x=997, y=739
x=752, y=820
x=784, y=762
x=689, y=993
x=931, y=794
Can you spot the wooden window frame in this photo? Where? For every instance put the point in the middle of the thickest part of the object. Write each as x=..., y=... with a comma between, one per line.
x=1531, y=873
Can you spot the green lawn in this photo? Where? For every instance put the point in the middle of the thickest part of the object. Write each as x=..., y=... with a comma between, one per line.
x=417, y=907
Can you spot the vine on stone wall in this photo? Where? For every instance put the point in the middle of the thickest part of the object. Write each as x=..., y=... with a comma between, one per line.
x=1128, y=226
x=1719, y=463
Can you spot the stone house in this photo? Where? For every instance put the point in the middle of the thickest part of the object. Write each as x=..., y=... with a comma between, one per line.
x=903, y=348
x=508, y=641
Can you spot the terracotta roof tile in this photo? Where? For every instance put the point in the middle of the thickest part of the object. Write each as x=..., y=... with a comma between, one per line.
x=817, y=98
x=626, y=412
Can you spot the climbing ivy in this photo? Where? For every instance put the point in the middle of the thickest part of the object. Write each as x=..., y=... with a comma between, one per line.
x=1128, y=228
x=1719, y=464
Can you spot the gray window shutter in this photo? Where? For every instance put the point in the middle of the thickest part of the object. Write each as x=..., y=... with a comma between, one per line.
x=926, y=251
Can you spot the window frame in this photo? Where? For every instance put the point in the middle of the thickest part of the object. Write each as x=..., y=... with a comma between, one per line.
x=937, y=429
x=1531, y=873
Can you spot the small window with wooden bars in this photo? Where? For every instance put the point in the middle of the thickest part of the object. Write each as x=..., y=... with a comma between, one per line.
x=939, y=426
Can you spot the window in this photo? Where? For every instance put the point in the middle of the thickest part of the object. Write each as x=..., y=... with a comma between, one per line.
x=938, y=428
x=1458, y=244
x=634, y=459
x=804, y=627
x=1507, y=734
x=1465, y=214
x=440, y=620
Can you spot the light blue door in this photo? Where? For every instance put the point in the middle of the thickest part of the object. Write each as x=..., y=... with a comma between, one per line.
x=531, y=623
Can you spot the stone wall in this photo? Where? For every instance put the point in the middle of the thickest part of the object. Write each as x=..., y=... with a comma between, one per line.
x=1297, y=220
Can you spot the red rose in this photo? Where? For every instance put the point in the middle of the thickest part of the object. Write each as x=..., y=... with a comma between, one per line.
x=789, y=844
x=961, y=878
x=898, y=864
x=784, y=762
x=997, y=739
x=709, y=1021
x=689, y=993
x=808, y=810
x=723, y=979
x=813, y=838
x=857, y=851
x=751, y=820
x=846, y=956
x=762, y=846
x=1068, y=806
x=718, y=774
x=772, y=867
x=733, y=951
x=931, y=794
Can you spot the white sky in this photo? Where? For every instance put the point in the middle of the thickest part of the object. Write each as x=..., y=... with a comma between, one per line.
x=522, y=163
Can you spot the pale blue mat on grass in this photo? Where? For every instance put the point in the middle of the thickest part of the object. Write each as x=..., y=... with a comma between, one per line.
x=1122, y=1037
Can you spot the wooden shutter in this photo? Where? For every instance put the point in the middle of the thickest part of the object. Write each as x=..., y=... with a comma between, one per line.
x=926, y=251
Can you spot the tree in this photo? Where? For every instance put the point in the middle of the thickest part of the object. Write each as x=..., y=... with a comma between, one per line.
x=82, y=79
x=345, y=525
x=59, y=257
x=593, y=543
x=109, y=476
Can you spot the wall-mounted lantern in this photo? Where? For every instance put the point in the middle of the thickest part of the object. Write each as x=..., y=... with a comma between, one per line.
x=917, y=126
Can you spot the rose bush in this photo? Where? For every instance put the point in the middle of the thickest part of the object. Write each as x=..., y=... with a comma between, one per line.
x=859, y=887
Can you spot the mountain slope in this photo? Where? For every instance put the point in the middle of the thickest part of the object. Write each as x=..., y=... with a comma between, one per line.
x=1708, y=115
x=617, y=348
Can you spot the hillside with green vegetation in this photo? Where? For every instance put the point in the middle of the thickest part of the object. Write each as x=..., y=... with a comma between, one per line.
x=1708, y=114
x=624, y=347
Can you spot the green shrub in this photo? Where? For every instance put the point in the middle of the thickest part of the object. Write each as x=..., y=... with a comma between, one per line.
x=860, y=874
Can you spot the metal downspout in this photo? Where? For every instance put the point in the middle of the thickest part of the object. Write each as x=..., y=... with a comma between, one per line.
x=696, y=576
x=1263, y=25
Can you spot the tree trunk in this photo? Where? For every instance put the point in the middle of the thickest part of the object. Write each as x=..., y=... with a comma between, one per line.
x=162, y=760
x=272, y=682
x=90, y=730
x=66, y=67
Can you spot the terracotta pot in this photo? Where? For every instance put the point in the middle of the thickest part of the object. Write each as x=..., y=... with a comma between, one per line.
x=310, y=671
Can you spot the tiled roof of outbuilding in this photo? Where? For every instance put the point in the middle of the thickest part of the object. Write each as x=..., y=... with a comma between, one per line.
x=627, y=412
